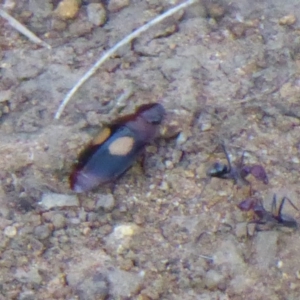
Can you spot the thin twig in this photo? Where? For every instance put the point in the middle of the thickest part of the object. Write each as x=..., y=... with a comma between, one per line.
x=113, y=50
x=22, y=29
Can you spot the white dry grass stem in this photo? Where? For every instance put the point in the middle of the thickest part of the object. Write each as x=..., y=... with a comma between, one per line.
x=113, y=50
x=22, y=29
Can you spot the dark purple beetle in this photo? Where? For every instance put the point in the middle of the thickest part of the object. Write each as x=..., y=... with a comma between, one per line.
x=237, y=173
x=116, y=148
x=269, y=220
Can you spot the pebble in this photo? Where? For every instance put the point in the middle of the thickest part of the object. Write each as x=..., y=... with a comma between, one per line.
x=182, y=138
x=213, y=279
x=121, y=236
x=169, y=164
x=215, y=9
x=10, y=231
x=51, y=200
x=93, y=287
x=96, y=14
x=206, y=126
x=42, y=232
x=67, y=9
x=288, y=20
x=123, y=231
x=107, y=202
x=58, y=221
x=80, y=28
x=5, y=95
x=116, y=5
x=241, y=230
x=124, y=284
x=164, y=186
x=9, y=4
x=28, y=276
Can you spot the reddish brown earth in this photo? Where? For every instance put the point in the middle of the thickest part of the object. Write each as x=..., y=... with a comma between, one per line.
x=226, y=71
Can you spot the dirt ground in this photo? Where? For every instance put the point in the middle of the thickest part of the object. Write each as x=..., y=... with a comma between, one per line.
x=226, y=71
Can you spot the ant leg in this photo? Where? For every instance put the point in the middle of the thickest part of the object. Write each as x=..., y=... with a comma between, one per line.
x=290, y=201
x=227, y=157
x=274, y=206
x=206, y=181
x=281, y=204
x=242, y=158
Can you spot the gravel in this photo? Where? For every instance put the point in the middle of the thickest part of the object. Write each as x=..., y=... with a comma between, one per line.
x=226, y=71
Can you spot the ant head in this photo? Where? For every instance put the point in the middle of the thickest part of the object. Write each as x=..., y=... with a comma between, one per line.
x=217, y=170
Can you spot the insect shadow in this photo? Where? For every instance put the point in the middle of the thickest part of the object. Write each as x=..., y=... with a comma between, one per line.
x=268, y=220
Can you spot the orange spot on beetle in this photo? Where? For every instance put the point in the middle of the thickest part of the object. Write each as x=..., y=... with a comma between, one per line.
x=121, y=146
x=102, y=136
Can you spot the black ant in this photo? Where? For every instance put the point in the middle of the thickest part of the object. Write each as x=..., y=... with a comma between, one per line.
x=269, y=220
x=237, y=173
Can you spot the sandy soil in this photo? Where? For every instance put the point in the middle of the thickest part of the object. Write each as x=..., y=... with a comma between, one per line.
x=226, y=71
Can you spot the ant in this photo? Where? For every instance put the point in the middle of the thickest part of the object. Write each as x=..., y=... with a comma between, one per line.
x=271, y=219
x=237, y=173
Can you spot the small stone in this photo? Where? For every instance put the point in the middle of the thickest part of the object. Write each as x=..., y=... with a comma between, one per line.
x=287, y=20
x=51, y=200
x=9, y=4
x=241, y=230
x=213, y=279
x=124, y=284
x=58, y=25
x=214, y=9
x=5, y=95
x=67, y=9
x=10, y=231
x=42, y=232
x=238, y=29
x=93, y=287
x=169, y=164
x=205, y=126
x=80, y=28
x=107, y=202
x=36, y=246
x=58, y=221
x=116, y=5
x=279, y=264
x=28, y=276
x=92, y=118
x=251, y=229
x=96, y=14
x=27, y=295
x=125, y=230
x=164, y=186
x=86, y=231
x=182, y=138
x=167, y=31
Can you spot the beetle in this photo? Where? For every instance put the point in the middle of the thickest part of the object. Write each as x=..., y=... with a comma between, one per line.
x=114, y=150
x=239, y=172
x=269, y=220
